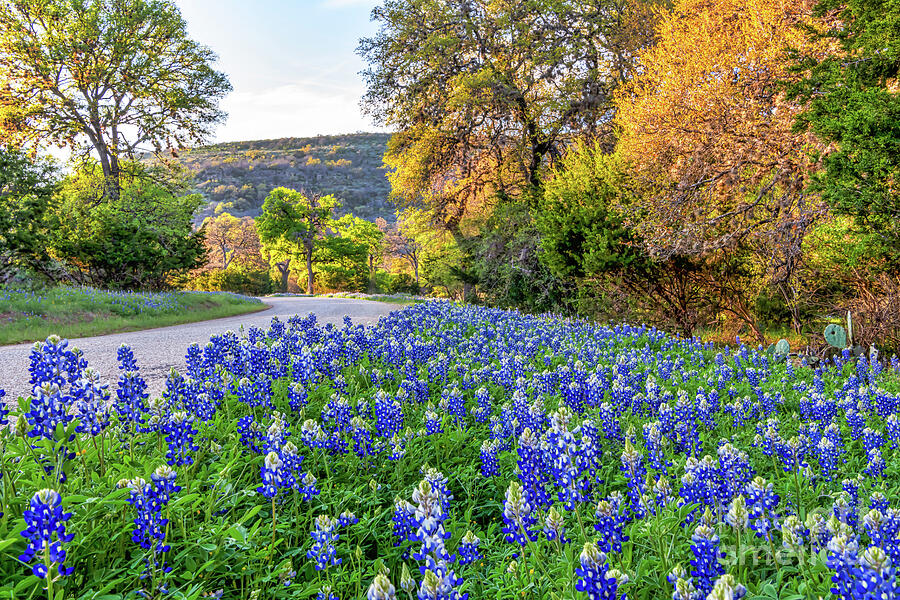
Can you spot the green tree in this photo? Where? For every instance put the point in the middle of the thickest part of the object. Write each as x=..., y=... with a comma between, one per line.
x=852, y=102
x=112, y=77
x=26, y=193
x=341, y=264
x=134, y=241
x=367, y=234
x=301, y=221
x=583, y=233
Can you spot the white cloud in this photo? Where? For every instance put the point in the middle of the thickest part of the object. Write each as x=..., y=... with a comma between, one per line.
x=293, y=110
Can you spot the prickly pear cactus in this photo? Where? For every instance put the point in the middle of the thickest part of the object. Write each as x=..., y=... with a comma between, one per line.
x=783, y=347
x=770, y=350
x=836, y=336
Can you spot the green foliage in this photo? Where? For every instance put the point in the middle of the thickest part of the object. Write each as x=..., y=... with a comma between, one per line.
x=239, y=277
x=508, y=266
x=579, y=218
x=341, y=264
x=26, y=193
x=110, y=77
x=134, y=241
x=293, y=225
x=852, y=102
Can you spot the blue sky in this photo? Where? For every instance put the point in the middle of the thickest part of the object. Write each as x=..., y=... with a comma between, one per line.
x=291, y=62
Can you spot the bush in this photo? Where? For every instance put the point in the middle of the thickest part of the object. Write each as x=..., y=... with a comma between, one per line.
x=238, y=278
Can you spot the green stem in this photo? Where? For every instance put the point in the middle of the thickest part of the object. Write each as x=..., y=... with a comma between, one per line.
x=49, y=577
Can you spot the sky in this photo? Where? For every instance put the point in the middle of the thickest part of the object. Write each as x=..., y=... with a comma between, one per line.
x=292, y=64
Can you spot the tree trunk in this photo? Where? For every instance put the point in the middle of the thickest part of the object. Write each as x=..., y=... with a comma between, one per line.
x=284, y=267
x=309, y=273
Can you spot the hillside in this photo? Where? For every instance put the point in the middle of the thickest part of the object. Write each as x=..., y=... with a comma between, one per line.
x=243, y=173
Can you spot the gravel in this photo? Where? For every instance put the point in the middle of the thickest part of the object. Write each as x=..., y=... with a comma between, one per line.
x=158, y=350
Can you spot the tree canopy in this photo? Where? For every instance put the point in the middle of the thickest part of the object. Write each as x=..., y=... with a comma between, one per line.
x=111, y=78
x=485, y=94
x=291, y=219
x=851, y=101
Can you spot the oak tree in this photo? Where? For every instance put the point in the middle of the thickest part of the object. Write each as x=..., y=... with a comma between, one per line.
x=112, y=78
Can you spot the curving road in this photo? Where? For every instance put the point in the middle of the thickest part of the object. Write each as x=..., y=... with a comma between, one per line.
x=158, y=350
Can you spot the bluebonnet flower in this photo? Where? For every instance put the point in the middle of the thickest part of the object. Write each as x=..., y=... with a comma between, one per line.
x=131, y=392
x=635, y=474
x=595, y=577
x=407, y=583
x=346, y=519
x=432, y=422
x=272, y=472
x=489, y=465
x=91, y=403
x=761, y=500
x=404, y=521
x=706, y=566
x=45, y=530
x=518, y=516
x=875, y=464
x=388, y=415
x=879, y=501
x=429, y=515
x=555, y=526
x=49, y=408
x=793, y=533
x=297, y=397
x=734, y=472
x=726, y=588
x=876, y=576
x=892, y=425
x=684, y=585
x=249, y=432
x=311, y=434
x=149, y=499
x=51, y=362
x=439, y=582
x=611, y=520
x=381, y=589
x=180, y=432
x=468, y=548
x=532, y=469
x=828, y=456
x=842, y=559
x=655, y=444
x=307, y=487
x=485, y=408
x=362, y=438
x=324, y=538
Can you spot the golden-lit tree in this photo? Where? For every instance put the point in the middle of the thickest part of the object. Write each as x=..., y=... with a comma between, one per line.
x=229, y=238
x=707, y=123
x=710, y=132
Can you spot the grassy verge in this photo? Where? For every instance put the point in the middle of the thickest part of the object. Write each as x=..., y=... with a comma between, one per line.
x=72, y=312
x=399, y=299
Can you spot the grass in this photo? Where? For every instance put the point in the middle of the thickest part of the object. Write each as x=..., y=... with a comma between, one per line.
x=399, y=299
x=73, y=312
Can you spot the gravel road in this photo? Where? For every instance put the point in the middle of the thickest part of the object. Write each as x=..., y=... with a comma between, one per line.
x=158, y=350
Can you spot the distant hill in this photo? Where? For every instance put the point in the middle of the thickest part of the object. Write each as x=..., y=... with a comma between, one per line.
x=243, y=173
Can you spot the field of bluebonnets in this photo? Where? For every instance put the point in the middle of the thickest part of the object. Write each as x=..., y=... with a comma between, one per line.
x=452, y=452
